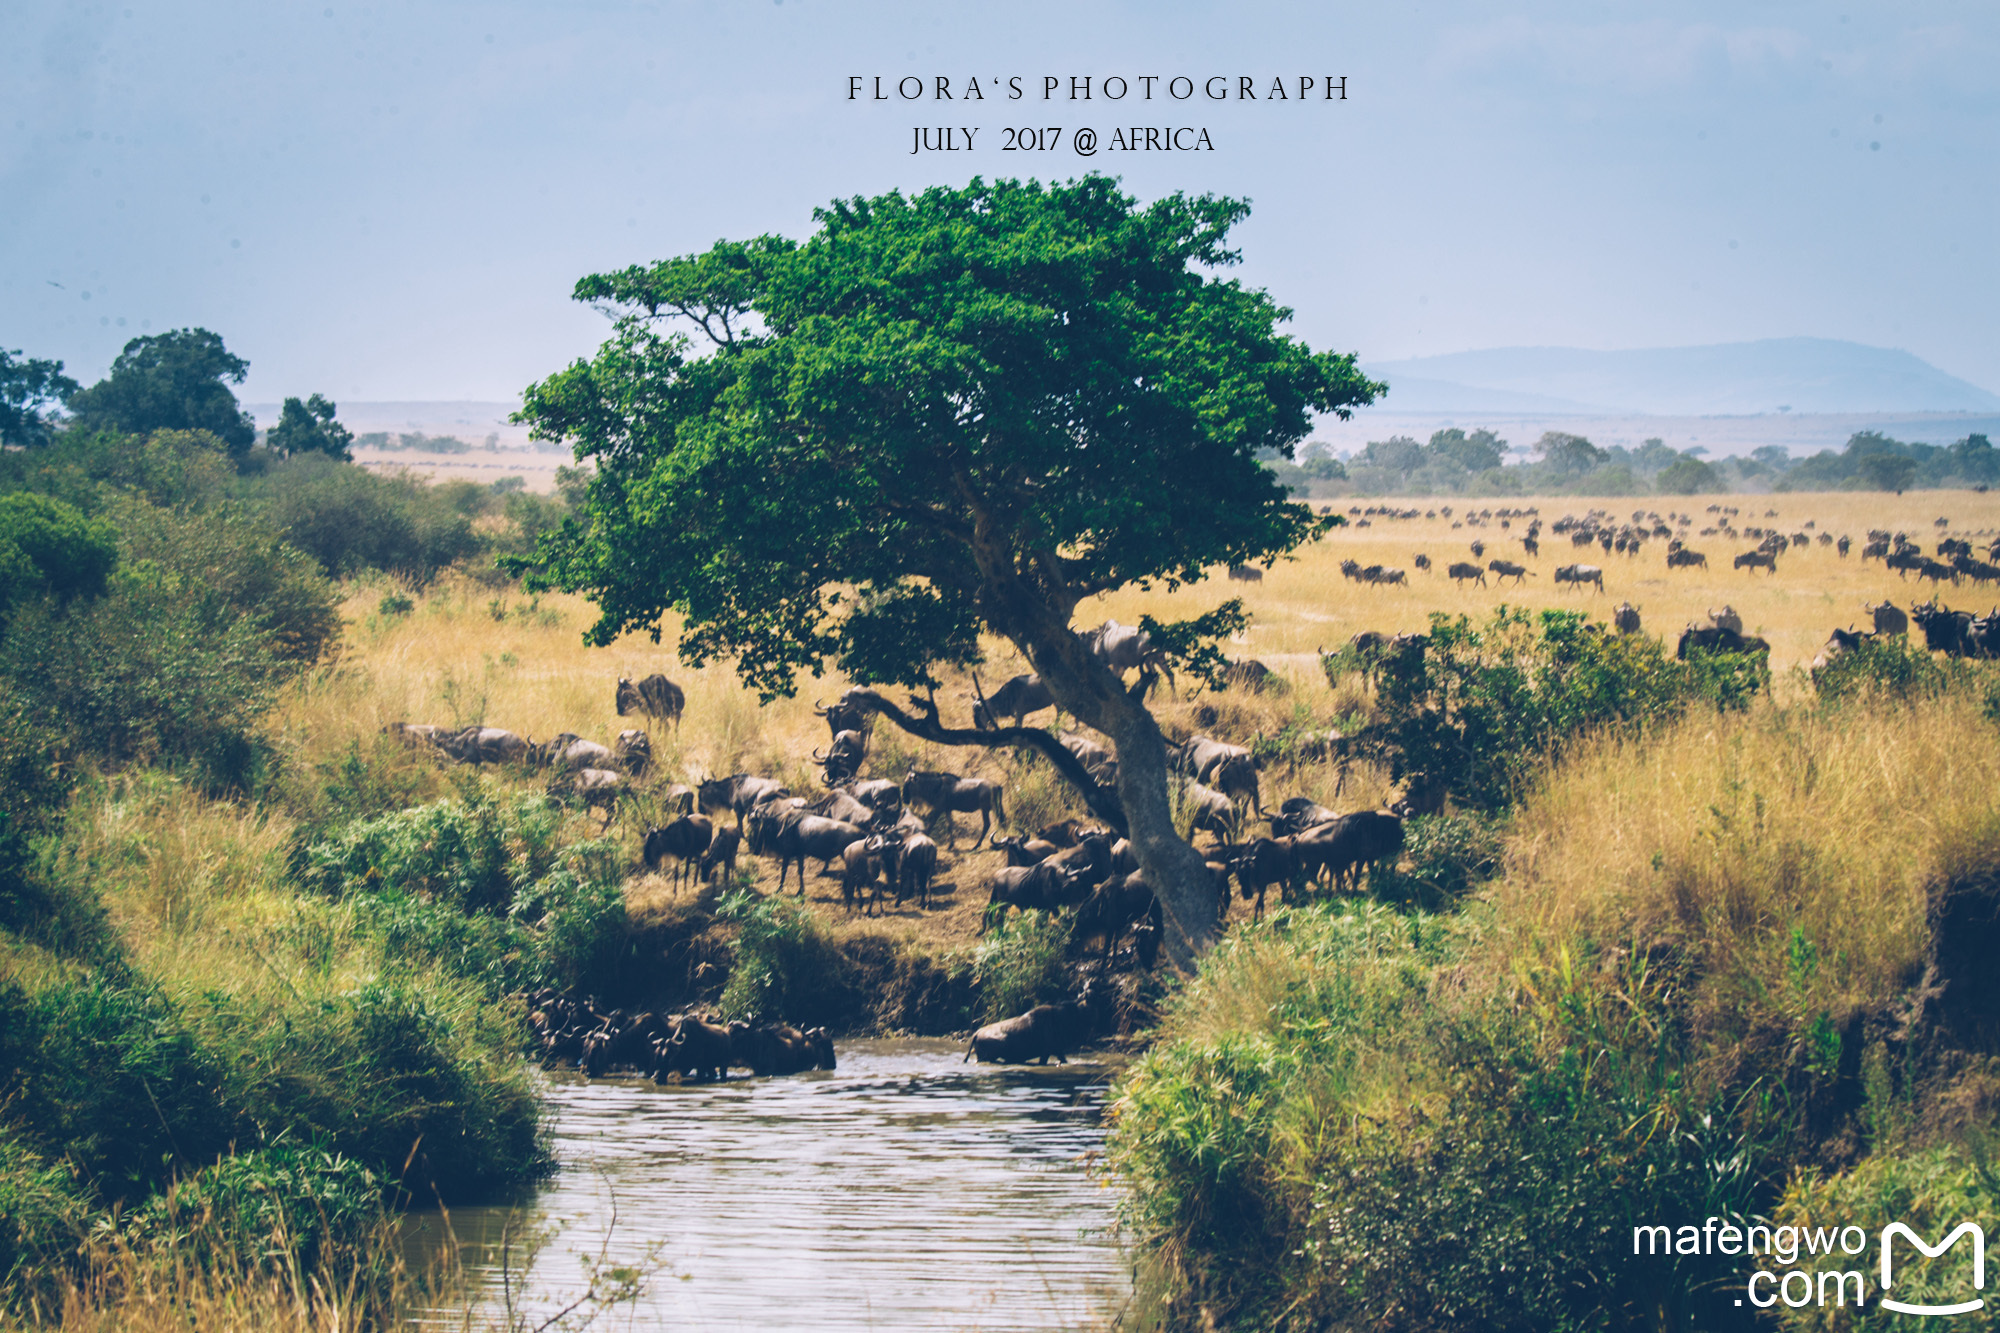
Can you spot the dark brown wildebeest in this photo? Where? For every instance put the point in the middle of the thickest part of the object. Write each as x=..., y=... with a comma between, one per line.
x=1686, y=558
x=1461, y=570
x=1044, y=886
x=949, y=794
x=686, y=839
x=1757, y=560
x=1626, y=618
x=1253, y=676
x=739, y=792
x=1715, y=639
x=842, y=760
x=567, y=750
x=1349, y=845
x=915, y=870
x=1421, y=561
x=597, y=788
x=721, y=854
x=1023, y=851
x=655, y=696
x=1045, y=1030
x=1888, y=618
x=1298, y=814
x=812, y=837
x=1580, y=575
x=1507, y=569
x=1262, y=863
x=1121, y=903
x=1246, y=573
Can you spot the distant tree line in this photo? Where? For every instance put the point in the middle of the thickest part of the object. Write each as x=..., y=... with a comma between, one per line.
x=1458, y=462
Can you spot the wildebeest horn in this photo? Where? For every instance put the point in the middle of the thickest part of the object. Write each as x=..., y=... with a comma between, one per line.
x=818, y=711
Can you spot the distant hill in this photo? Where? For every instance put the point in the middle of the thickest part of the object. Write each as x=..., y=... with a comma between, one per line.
x=1777, y=374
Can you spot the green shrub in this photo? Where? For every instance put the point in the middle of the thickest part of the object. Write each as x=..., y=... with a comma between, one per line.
x=277, y=1208
x=786, y=967
x=1890, y=666
x=1022, y=962
x=112, y=1078
x=1479, y=712
x=473, y=853
x=1445, y=857
x=43, y=1221
x=1931, y=1190
x=350, y=519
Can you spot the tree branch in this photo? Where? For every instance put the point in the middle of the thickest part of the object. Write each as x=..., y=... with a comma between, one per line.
x=926, y=724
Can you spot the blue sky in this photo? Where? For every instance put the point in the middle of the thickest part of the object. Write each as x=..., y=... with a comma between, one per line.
x=389, y=201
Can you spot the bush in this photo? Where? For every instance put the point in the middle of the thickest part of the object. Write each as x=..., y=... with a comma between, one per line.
x=1445, y=857
x=1890, y=666
x=1479, y=712
x=43, y=1221
x=272, y=1209
x=786, y=967
x=350, y=519
x=1023, y=962
x=473, y=853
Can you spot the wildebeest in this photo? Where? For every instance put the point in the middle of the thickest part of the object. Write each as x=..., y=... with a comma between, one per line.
x=1230, y=769
x=1726, y=618
x=685, y=839
x=842, y=760
x=1626, y=618
x=1124, y=648
x=1686, y=558
x=1839, y=643
x=814, y=837
x=877, y=793
x=655, y=696
x=484, y=745
x=695, y=1049
x=739, y=792
x=1461, y=570
x=847, y=713
x=1044, y=886
x=841, y=804
x=1121, y=903
x=916, y=868
x=1254, y=676
x=1246, y=573
x=1888, y=618
x=1757, y=560
x=567, y=750
x=721, y=855
x=1843, y=545
x=1209, y=810
x=415, y=733
x=597, y=788
x=1298, y=814
x=633, y=751
x=1421, y=561
x=1045, y=1030
x=1507, y=569
x=949, y=794
x=1262, y=863
x=1716, y=639
x=1022, y=850
x=1945, y=630
x=1347, y=846
x=1019, y=698
x=1580, y=574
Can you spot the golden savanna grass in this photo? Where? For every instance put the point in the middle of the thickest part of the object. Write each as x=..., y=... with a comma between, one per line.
x=517, y=661
x=1756, y=836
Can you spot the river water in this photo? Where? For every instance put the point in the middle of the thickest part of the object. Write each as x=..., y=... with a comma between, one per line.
x=904, y=1190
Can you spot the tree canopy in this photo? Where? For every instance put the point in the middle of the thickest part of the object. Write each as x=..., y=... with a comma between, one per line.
x=28, y=388
x=170, y=381
x=964, y=410
x=309, y=428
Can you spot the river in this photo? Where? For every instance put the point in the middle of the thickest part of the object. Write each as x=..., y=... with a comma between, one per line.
x=904, y=1190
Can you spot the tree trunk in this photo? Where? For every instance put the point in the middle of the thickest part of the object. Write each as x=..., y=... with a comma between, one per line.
x=1175, y=871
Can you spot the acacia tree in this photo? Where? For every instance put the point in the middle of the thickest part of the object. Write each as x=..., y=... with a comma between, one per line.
x=966, y=410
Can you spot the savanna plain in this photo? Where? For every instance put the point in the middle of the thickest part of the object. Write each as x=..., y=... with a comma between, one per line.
x=1698, y=951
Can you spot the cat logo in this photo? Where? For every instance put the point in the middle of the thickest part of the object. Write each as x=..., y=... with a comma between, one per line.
x=1894, y=1229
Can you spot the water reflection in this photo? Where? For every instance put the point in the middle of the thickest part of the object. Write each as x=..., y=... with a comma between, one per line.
x=905, y=1190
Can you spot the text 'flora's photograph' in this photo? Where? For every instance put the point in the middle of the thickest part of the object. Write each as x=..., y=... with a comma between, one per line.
x=809, y=666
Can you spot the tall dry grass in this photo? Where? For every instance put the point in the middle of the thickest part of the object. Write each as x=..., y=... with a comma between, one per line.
x=1784, y=847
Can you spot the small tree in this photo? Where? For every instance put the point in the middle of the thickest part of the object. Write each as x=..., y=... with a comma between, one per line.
x=170, y=381
x=29, y=389
x=1569, y=453
x=967, y=410
x=309, y=427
